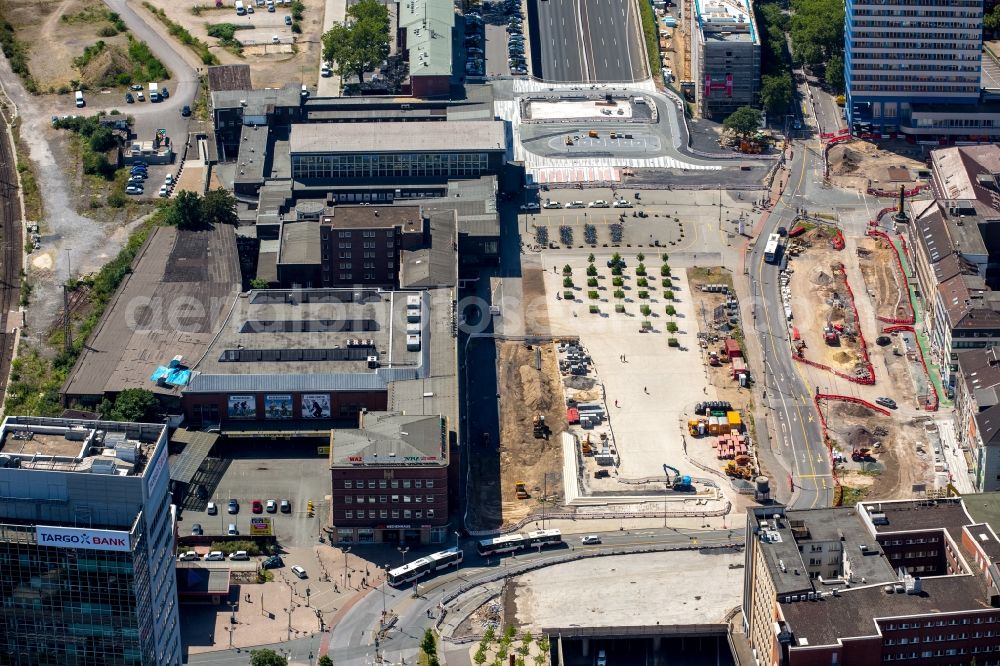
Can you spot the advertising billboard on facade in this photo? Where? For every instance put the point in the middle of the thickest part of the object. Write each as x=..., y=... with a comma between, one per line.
x=242, y=407
x=278, y=406
x=316, y=405
x=75, y=537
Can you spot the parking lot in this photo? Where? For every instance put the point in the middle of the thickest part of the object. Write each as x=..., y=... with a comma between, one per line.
x=263, y=470
x=494, y=42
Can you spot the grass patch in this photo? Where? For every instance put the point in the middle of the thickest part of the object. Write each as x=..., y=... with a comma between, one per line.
x=711, y=276
x=182, y=35
x=226, y=34
x=850, y=496
x=35, y=380
x=17, y=54
x=651, y=36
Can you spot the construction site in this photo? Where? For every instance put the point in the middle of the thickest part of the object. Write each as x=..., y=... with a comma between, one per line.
x=820, y=303
x=886, y=287
x=861, y=165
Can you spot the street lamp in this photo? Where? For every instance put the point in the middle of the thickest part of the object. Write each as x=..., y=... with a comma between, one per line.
x=385, y=580
x=456, y=538
x=347, y=551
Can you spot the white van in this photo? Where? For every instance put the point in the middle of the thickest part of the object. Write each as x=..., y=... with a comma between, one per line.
x=602, y=658
x=240, y=9
x=80, y=102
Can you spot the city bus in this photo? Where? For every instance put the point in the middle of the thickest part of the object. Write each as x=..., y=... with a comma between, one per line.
x=512, y=542
x=772, y=251
x=425, y=565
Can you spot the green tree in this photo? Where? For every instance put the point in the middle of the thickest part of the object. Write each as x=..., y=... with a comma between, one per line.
x=817, y=30
x=325, y=661
x=361, y=46
x=834, y=74
x=480, y=657
x=102, y=140
x=267, y=658
x=258, y=283
x=135, y=404
x=776, y=92
x=991, y=20
x=218, y=206
x=184, y=211
x=591, y=258
x=429, y=643
x=744, y=122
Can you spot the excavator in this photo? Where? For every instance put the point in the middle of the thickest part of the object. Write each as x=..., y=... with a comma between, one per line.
x=679, y=482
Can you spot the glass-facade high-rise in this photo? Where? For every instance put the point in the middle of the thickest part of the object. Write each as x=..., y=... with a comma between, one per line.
x=903, y=52
x=86, y=545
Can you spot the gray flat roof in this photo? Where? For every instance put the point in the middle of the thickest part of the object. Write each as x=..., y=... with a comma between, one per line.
x=322, y=339
x=299, y=243
x=436, y=265
x=428, y=25
x=177, y=270
x=229, y=77
x=253, y=151
x=261, y=98
x=386, y=438
x=436, y=137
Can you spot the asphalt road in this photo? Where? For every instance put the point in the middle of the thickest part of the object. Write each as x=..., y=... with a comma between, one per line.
x=798, y=444
x=589, y=41
x=183, y=85
x=352, y=640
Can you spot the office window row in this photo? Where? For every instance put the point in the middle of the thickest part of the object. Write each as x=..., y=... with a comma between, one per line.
x=413, y=165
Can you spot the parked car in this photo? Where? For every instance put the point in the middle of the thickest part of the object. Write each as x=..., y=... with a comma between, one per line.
x=552, y=204
x=164, y=192
x=189, y=556
x=133, y=189
x=576, y=204
x=621, y=203
x=590, y=540
x=299, y=571
x=257, y=506
x=196, y=530
x=273, y=562
x=129, y=99
x=599, y=203
x=141, y=96
x=164, y=93
x=185, y=110
x=232, y=531
x=212, y=509
x=135, y=86
x=215, y=556
x=530, y=206
x=272, y=506
x=286, y=507
x=234, y=506
x=288, y=20
x=240, y=555
x=886, y=402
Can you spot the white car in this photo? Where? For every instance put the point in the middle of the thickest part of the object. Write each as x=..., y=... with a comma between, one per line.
x=622, y=203
x=215, y=556
x=240, y=555
x=600, y=203
x=530, y=206
x=576, y=204
x=189, y=556
x=164, y=191
x=212, y=509
x=552, y=204
x=590, y=540
x=299, y=571
x=325, y=71
x=133, y=189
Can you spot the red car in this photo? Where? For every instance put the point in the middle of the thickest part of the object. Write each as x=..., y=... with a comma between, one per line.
x=258, y=506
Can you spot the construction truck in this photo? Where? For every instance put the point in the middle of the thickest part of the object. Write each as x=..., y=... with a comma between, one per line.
x=519, y=488
x=539, y=428
x=831, y=336
x=738, y=471
x=862, y=455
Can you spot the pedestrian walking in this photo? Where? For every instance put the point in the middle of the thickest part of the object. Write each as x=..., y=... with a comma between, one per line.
x=645, y=390
x=616, y=403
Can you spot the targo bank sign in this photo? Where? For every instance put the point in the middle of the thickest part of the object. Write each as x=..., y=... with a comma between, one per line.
x=74, y=537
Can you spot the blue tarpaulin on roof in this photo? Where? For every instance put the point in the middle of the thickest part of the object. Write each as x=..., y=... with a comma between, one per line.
x=172, y=376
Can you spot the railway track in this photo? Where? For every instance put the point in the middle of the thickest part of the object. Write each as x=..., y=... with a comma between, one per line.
x=11, y=254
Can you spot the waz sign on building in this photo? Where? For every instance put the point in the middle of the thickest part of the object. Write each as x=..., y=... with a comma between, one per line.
x=73, y=537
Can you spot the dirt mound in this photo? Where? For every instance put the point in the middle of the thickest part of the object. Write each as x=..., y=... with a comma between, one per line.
x=106, y=66
x=851, y=409
x=842, y=357
x=531, y=388
x=822, y=279
x=587, y=396
x=859, y=438
x=844, y=160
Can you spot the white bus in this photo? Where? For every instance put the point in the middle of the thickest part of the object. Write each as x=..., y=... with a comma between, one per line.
x=772, y=251
x=511, y=542
x=425, y=565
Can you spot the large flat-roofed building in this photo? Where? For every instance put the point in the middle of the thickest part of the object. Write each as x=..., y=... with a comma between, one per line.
x=86, y=541
x=728, y=56
x=303, y=361
x=905, y=58
x=913, y=581
x=396, y=151
x=390, y=479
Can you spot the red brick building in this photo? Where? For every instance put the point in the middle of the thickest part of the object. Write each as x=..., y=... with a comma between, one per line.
x=390, y=480
x=883, y=582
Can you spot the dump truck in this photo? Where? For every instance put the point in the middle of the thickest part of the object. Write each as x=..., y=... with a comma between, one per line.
x=539, y=428
x=519, y=488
